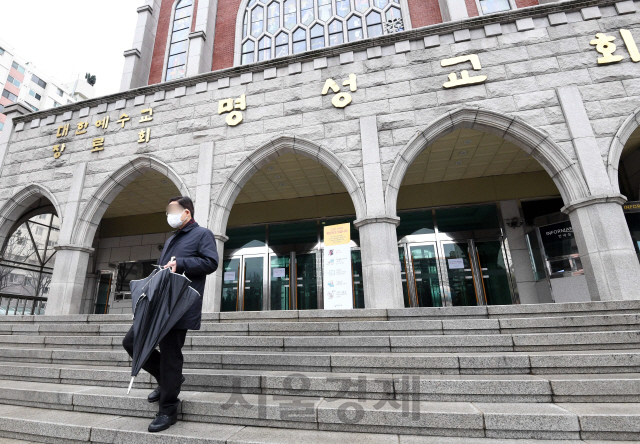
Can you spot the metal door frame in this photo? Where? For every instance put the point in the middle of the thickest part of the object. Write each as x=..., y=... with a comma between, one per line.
x=410, y=271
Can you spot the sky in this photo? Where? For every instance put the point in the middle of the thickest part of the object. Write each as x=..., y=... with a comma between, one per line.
x=67, y=38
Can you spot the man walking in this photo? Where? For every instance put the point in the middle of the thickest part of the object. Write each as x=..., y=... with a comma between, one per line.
x=192, y=251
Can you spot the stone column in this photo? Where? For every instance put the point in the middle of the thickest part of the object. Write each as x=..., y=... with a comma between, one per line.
x=70, y=269
x=212, y=296
x=606, y=249
x=378, y=239
x=137, y=63
x=453, y=10
x=201, y=39
x=519, y=252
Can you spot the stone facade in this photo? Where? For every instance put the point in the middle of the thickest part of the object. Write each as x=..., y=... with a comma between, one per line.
x=544, y=92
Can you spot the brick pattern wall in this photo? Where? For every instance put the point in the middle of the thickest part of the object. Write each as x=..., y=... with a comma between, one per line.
x=424, y=12
x=223, y=46
x=525, y=3
x=472, y=9
x=195, y=15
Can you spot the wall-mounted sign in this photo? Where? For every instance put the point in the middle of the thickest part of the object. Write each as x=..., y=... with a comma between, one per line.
x=631, y=207
x=229, y=275
x=456, y=264
x=338, y=287
x=278, y=272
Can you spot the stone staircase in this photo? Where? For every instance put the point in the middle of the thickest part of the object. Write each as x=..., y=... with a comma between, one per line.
x=409, y=376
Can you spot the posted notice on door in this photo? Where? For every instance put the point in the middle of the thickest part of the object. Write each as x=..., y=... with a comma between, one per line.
x=338, y=287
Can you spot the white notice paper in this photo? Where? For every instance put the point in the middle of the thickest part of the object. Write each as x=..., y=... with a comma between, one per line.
x=229, y=275
x=456, y=264
x=278, y=272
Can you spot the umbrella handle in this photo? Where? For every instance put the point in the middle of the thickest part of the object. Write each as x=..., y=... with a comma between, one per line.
x=130, y=384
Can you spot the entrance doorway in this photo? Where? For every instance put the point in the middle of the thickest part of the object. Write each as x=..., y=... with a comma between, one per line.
x=454, y=257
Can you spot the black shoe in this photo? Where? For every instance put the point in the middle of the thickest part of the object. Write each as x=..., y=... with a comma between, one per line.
x=162, y=422
x=154, y=396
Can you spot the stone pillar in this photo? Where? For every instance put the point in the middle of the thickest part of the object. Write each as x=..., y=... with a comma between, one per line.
x=137, y=63
x=378, y=239
x=11, y=111
x=201, y=39
x=453, y=10
x=606, y=249
x=70, y=269
x=212, y=296
x=67, y=283
x=519, y=252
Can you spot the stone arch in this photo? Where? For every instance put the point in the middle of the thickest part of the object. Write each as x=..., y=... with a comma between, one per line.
x=266, y=153
x=89, y=218
x=564, y=171
x=617, y=145
x=14, y=209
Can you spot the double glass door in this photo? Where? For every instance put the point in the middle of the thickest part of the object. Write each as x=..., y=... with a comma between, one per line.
x=243, y=283
x=294, y=281
x=277, y=282
x=455, y=273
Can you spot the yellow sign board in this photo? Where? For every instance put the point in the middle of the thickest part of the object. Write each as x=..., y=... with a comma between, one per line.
x=337, y=234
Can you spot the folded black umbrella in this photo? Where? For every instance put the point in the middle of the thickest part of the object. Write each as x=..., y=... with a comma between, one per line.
x=159, y=301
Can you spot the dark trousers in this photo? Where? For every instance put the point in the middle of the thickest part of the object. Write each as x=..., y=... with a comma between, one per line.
x=164, y=365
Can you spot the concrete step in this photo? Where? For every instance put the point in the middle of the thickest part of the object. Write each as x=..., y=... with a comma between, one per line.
x=493, y=420
x=609, y=340
x=403, y=314
x=624, y=387
x=550, y=362
x=45, y=325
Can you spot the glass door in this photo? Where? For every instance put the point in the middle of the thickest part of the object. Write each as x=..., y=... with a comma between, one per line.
x=103, y=292
x=253, y=282
x=460, y=280
x=281, y=291
x=494, y=269
x=230, y=287
x=306, y=282
x=425, y=275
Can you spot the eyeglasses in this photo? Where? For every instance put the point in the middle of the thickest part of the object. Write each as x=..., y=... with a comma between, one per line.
x=174, y=209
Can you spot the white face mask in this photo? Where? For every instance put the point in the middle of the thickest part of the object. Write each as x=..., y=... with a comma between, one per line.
x=174, y=220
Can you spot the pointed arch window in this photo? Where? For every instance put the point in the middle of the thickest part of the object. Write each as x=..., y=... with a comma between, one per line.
x=179, y=43
x=276, y=28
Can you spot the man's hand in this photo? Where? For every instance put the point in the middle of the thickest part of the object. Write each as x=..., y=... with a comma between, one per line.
x=172, y=265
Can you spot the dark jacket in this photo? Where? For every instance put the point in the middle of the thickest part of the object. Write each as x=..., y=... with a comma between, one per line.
x=194, y=248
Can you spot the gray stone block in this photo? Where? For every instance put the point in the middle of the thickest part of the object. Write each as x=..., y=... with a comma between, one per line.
x=320, y=63
x=494, y=364
x=342, y=315
x=374, y=52
x=337, y=344
x=525, y=24
x=432, y=41
x=395, y=363
x=557, y=18
x=626, y=7
x=437, y=313
x=493, y=29
x=451, y=343
x=295, y=68
x=223, y=343
x=585, y=362
x=421, y=417
x=607, y=421
x=346, y=57
x=201, y=87
x=595, y=388
x=264, y=316
x=590, y=13
x=392, y=328
x=470, y=326
x=461, y=35
x=529, y=421
x=139, y=100
x=284, y=436
x=477, y=388
x=277, y=361
x=180, y=91
x=293, y=328
x=402, y=47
